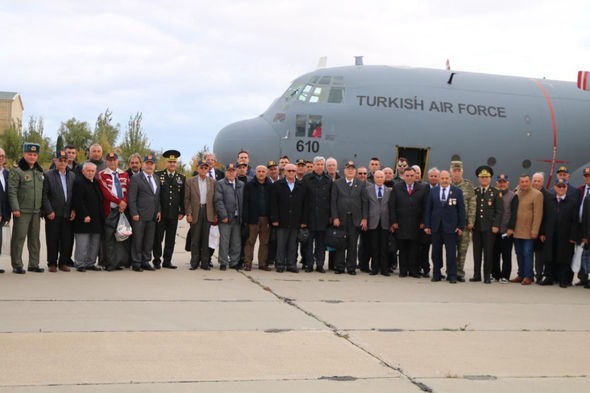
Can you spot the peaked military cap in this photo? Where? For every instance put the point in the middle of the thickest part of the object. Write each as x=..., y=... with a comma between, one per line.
x=484, y=171
x=171, y=155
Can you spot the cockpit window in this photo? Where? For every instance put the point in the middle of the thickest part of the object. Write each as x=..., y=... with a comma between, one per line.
x=308, y=126
x=320, y=88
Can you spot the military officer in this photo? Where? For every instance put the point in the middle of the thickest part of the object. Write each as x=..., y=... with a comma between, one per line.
x=25, y=192
x=488, y=217
x=172, y=207
x=469, y=198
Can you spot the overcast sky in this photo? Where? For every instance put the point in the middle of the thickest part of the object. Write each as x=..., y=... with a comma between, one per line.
x=192, y=67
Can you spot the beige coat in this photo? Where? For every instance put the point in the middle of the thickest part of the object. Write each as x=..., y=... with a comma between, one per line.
x=193, y=199
x=529, y=213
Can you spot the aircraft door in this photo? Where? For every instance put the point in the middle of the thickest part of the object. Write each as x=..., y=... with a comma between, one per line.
x=415, y=156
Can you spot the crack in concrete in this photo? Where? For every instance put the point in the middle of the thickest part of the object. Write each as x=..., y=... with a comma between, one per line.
x=337, y=332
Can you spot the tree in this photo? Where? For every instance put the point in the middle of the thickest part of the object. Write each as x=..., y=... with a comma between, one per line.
x=59, y=145
x=12, y=142
x=105, y=133
x=76, y=133
x=134, y=140
x=34, y=133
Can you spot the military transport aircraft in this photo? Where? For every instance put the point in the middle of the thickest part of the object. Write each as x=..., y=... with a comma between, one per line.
x=429, y=116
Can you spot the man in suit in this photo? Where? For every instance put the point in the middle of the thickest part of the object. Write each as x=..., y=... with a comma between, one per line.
x=426, y=239
x=114, y=185
x=200, y=213
x=378, y=223
x=349, y=211
x=444, y=219
x=406, y=208
x=229, y=199
x=585, y=231
x=563, y=173
x=559, y=233
x=4, y=206
x=256, y=216
x=488, y=217
x=583, y=195
x=273, y=177
x=172, y=192
x=144, y=207
x=58, y=185
x=318, y=191
x=287, y=215
x=215, y=173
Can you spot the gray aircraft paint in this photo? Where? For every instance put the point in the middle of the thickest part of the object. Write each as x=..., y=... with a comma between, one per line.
x=387, y=106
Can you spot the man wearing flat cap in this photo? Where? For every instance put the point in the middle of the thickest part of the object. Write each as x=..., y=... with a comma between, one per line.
x=502, y=262
x=58, y=188
x=172, y=202
x=584, y=209
x=25, y=194
x=488, y=217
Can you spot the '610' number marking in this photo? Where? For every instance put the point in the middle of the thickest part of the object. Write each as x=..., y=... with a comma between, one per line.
x=308, y=146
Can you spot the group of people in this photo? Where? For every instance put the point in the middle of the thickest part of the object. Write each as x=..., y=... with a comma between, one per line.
x=367, y=218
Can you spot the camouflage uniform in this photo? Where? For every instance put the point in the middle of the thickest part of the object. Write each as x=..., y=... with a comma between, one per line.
x=463, y=242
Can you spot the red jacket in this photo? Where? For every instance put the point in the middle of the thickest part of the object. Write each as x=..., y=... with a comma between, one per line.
x=105, y=180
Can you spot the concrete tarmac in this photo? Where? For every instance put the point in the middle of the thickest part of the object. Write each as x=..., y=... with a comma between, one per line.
x=227, y=331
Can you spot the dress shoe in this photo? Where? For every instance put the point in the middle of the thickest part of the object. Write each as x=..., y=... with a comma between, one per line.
x=320, y=270
x=365, y=270
x=517, y=279
x=386, y=274
x=352, y=272
x=546, y=282
x=64, y=268
x=52, y=268
x=414, y=275
x=236, y=267
x=526, y=281
x=426, y=275
x=403, y=275
x=265, y=268
x=475, y=279
x=94, y=268
x=338, y=271
x=373, y=273
x=280, y=270
x=210, y=264
x=36, y=269
x=113, y=268
x=435, y=279
x=203, y=267
x=157, y=266
x=193, y=268
x=169, y=266
x=587, y=285
x=81, y=269
x=148, y=267
x=1, y=271
x=18, y=270
x=308, y=269
x=247, y=268
x=137, y=269
x=70, y=263
x=461, y=279
x=487, y=281
x=453, y=280
x=222, y=267
x=293, y=270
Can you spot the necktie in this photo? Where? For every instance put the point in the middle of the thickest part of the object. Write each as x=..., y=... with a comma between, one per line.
x=587, y=191
x=349, y=184
x=118, y=186
x=410, y=190
x=151, y=183
x=444, y=196
x=379, y=193
x=211, y=172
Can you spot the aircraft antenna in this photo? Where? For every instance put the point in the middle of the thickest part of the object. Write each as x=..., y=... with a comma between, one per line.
x=450, y=81
x=358, y=60
x=322, y=62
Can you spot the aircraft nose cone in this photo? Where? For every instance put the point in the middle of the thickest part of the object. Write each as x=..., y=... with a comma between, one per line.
x=254, y=135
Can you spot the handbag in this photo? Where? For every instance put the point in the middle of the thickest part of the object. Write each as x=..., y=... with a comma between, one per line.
x=577, y=258
x=336, y=238
x=124, y=229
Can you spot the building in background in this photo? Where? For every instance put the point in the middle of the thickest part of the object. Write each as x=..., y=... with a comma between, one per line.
x=11, y=110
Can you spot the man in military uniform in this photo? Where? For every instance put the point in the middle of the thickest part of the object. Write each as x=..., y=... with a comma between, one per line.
x=172, y=207
x=488, y=217
x=25, y=192
x=469, y=198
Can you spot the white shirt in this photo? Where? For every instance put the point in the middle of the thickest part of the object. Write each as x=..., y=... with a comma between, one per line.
x=2, y=180
x=444, y=190
x=202, y=189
